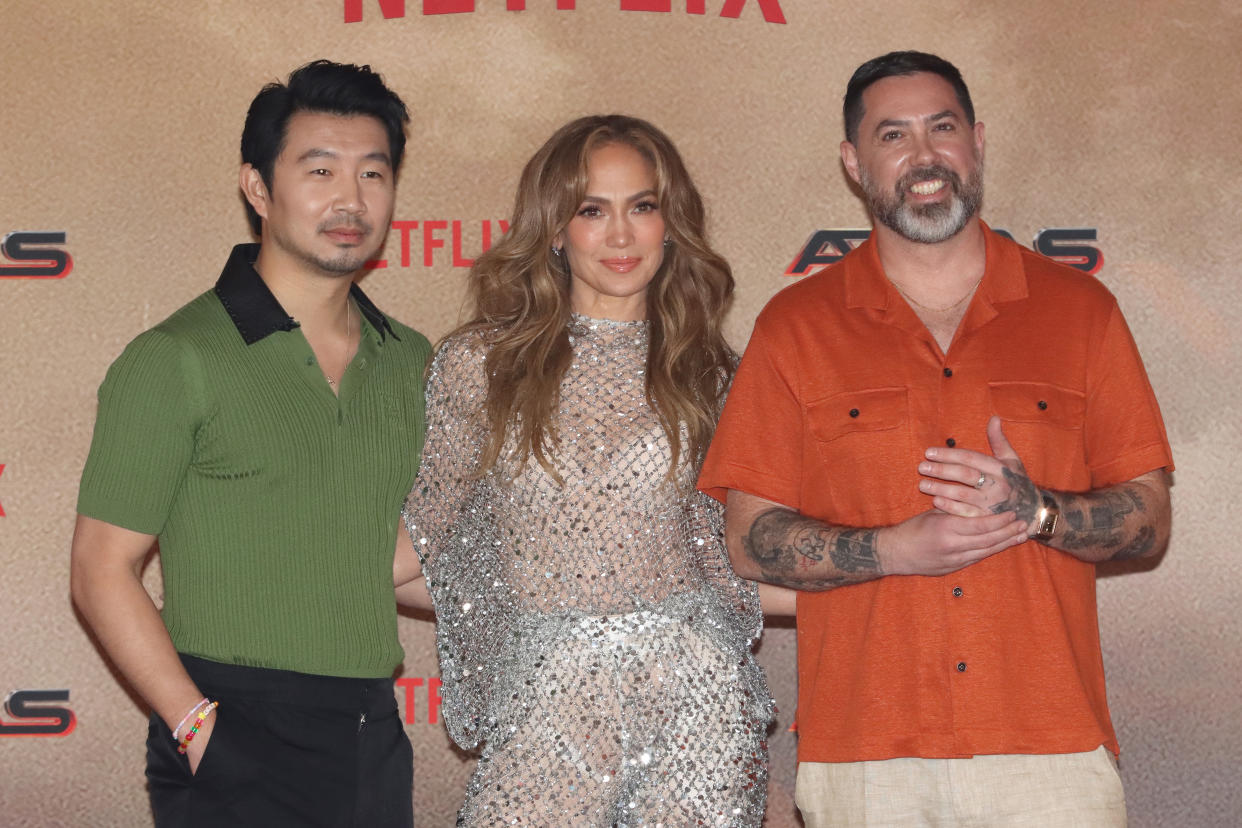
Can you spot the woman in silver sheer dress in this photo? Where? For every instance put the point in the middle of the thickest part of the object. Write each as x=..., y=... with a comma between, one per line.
x=593, y=640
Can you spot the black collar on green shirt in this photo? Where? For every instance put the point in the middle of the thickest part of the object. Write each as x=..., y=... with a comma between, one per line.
x=255, y=310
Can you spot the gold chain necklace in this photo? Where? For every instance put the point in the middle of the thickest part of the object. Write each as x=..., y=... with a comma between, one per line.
x=945, y=309
x=327, y=376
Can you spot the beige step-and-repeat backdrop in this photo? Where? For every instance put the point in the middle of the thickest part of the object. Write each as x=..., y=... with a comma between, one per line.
x=1114, y=142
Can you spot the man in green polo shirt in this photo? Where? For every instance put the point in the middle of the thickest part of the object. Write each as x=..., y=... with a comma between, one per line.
x=266, y=434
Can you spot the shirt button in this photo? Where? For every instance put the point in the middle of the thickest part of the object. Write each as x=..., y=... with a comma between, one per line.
x=1043, y=405
x=957, y=592
x=961, y=666
x=310, y=361
x=948, y=372
x=950, y=442
x=853, y=412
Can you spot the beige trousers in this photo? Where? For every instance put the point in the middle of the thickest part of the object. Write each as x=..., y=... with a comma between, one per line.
x=1071, y=790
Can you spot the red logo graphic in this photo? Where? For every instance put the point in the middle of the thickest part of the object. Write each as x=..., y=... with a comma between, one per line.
x=433, y=698
x=771, y=9
x=432, y=238
x=1074, y=246
x=37, y=717
x=33, y=257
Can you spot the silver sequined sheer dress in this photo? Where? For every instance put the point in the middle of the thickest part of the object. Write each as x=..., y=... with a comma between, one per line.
x=593, y=640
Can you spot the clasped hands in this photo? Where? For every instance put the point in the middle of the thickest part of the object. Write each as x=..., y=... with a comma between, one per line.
x=982, y=505
x=972, y=484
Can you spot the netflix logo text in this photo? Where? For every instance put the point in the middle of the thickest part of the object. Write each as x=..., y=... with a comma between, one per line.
x=410, y=690
x=431, y=242
x=393, y=9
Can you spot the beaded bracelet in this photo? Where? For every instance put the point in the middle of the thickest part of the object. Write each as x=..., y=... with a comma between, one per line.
x=198, y=722
x=186, y=718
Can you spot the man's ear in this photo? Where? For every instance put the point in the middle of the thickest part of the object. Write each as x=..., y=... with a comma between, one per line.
x=849, y=160
x=253, y=188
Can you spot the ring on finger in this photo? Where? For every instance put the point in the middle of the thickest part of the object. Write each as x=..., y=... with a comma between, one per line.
x=983, y=478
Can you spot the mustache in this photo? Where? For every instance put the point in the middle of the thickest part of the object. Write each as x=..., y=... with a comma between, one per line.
x=346, y=223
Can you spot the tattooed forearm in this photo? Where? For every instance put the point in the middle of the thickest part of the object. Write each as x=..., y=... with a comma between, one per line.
x=1140, y=545
x=1100, y=520
x=853, y=550
x=796, y=551
x=777, y=540
x=1112, y=524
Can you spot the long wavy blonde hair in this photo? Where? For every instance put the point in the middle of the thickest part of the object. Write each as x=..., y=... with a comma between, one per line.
x=520, y=292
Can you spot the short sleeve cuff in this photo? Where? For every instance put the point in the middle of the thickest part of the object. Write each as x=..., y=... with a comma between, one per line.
x=1132, y=465
x=718, y=480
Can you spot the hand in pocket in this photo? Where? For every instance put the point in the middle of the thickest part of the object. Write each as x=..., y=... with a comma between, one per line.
x=194, y=751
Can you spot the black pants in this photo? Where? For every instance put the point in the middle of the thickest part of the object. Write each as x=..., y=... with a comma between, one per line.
x=287, y=749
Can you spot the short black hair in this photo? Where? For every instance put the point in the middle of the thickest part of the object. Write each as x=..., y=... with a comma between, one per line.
x=899, y=63
x=319, y=86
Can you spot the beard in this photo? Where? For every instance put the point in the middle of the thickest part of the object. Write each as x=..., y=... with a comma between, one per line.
x=345, y=262
x=927, y=223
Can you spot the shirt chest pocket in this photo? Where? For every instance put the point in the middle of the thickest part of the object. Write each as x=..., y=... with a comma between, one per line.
x=1044, y=423
x=865, y=459
x=1038, y=403
x=858, y=413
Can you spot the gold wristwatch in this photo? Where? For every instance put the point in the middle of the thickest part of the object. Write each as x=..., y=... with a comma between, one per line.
x=1046, y=520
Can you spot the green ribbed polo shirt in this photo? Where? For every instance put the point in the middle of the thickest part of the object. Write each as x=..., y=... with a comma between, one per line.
x=276, y=502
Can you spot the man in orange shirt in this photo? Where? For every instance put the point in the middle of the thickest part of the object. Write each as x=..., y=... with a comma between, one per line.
x=955, y=431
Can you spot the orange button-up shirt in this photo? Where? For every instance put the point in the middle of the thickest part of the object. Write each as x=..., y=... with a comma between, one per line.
x=841, y=389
